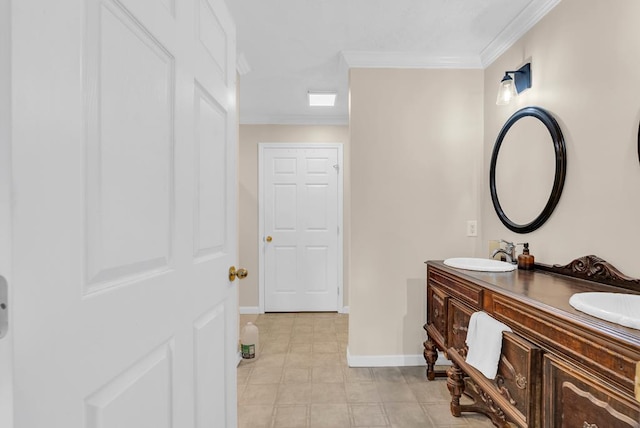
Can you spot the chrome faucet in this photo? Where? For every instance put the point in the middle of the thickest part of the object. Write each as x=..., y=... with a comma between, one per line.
x=509, y=251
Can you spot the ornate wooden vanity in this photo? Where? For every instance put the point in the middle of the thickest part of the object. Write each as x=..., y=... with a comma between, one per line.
x=559, y=367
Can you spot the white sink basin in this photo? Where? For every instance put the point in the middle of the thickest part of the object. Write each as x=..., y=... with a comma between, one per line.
x=623, y=309
x=483, y=265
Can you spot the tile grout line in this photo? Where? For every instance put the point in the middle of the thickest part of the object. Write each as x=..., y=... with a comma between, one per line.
x=324, y=349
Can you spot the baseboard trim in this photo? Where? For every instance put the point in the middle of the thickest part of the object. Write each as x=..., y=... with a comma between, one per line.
x=391, y=360
x=255, y=310
x=249, y=310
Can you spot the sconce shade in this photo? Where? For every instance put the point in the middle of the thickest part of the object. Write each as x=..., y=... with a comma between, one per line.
x=506, y=91
x=510, y=87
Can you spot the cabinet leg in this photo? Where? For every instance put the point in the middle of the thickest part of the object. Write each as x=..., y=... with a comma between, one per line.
x=455, y=384
x=430, y=356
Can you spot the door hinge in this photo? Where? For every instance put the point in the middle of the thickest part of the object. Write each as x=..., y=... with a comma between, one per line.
x=337, y=168
x=4, y=310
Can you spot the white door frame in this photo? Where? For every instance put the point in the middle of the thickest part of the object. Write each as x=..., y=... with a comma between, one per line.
x=6, y=344
x=261, y=232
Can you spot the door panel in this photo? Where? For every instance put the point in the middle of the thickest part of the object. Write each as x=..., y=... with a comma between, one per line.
x=300, y=213
x=124, y=128
x=211, y=169
x=316, y=268
x=285, y=198
x=210, y=369
x=213, y=37
x=122, y=403
x=124, y=172
x=318, y=204
x=285, y=271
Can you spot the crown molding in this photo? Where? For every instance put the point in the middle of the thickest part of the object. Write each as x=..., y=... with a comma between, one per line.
x=293, y=119
x=517, y=28
x=522, y=23
x=372, y=59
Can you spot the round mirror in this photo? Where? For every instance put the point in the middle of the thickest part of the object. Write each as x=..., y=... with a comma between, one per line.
x=528, y=168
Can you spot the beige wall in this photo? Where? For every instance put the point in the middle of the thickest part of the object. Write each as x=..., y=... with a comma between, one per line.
x=416, y=143
x=586, y=68
x=250, y=136
x=421, y=141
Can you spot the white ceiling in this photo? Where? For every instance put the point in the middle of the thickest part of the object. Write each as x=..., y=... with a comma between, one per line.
x=292, y=46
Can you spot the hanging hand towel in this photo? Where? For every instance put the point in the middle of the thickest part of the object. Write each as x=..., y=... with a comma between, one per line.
x=484, y=339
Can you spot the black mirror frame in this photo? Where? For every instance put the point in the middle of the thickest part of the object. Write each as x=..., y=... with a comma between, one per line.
x=561, y=168
x=638, y=142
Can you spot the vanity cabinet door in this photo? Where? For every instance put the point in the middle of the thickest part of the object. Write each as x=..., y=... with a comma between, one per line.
x=458, y=321
x=573, y=398
x=437, y=315
x=519, y=377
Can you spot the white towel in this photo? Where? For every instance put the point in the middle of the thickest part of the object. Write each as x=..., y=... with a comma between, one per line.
x=484, y=339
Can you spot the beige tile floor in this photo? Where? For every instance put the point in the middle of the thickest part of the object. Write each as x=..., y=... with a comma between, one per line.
x=301, y=379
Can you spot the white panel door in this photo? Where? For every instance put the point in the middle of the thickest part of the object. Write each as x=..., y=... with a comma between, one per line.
x=124, y=214
x=300, y=206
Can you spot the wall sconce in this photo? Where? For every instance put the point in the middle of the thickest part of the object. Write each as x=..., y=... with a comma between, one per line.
x=510, y=87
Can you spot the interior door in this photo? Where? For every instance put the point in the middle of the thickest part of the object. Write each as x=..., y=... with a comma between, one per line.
x=301, y=218
x=124, y=214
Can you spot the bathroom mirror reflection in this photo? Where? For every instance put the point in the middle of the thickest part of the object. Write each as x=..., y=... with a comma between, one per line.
x=528, y=168
x=525, y=167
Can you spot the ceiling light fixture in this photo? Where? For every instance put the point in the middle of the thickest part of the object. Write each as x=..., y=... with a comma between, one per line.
x=321, y=99
x=510, y=87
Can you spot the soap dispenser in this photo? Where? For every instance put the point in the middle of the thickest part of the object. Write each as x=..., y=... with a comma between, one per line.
x=525, y=260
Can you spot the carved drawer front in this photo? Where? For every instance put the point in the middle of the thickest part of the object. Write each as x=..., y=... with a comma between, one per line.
x=458, y=321
x=575, y=399
x=437, y=315
x=599, y=351
x=456, y=287
x=519, y=377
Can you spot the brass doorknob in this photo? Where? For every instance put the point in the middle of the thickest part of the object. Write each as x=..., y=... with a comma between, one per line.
x=268, y=239
x=240, y=273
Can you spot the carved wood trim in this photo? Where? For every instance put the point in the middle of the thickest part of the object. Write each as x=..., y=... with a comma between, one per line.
x=598, y=403
x=593, y=268
x=494, y=407
x=488, y=399
x=544, y=330
x=501, y=381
